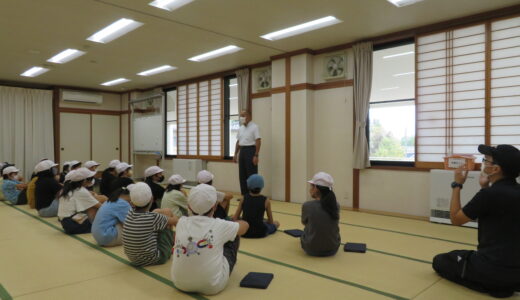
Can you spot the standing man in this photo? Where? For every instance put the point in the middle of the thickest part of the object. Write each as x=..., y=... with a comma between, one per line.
x=494, y=268
x=248, y=145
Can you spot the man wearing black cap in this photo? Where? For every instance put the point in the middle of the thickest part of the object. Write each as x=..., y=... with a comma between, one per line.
x=495, y=267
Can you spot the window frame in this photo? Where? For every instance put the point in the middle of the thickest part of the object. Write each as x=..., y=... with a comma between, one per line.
x=165, y=91
x=391, y=163
x=227, y=115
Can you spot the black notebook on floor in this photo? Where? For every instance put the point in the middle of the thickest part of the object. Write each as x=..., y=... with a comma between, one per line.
x=355, y=247
x=257, y=280
x=294, y=232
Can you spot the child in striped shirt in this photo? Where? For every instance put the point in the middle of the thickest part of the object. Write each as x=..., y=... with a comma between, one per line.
x=147, y=236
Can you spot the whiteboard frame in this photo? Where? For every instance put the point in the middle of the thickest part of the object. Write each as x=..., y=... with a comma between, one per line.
x=160, y=95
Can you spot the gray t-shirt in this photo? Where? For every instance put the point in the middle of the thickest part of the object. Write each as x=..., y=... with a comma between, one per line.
x=321, y=234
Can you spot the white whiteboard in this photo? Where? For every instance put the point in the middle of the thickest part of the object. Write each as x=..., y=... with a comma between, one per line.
x=148, y=133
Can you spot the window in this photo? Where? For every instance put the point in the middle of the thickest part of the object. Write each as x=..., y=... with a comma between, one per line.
x=465, y=97
x=392, y=106
x=171, y=122
x=451, y=92
x=199, y=119
x=505, y=82
x=231, y=113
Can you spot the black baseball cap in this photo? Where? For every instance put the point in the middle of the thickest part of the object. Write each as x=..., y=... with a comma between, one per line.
x=506, y=156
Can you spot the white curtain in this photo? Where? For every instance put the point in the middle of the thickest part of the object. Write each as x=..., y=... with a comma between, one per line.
x=362, y=86
x=26, y=127
x=243, y=89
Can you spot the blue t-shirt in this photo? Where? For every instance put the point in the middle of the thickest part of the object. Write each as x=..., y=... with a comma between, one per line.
x=108, y=216
x=10, y=191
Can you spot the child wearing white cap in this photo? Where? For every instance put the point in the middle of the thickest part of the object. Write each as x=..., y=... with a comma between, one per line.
x=321, y=218
x=153, y=176
x=92, y=166
x=123, y=179
x=108, y=176
x=175, y=198
x=12, y=187
x=46, y=189
x=147, y=236
x=223, y=199
x=206, y=248
x=77, y=206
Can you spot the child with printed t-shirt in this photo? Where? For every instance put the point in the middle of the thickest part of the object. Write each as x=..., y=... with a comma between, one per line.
x=206, y=248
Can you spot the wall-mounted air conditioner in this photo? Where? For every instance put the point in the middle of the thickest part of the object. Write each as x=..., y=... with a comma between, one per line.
x=440, y=194
x=81, y=96
x=188, y=168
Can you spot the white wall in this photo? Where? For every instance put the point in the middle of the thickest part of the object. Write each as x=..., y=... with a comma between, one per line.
x=405, y=192
x=226, y=176
x=332, y=139
x=262, y=117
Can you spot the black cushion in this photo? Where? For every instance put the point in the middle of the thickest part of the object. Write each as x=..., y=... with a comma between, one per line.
x=257, y=280
x=294, y=232
x=355, y=247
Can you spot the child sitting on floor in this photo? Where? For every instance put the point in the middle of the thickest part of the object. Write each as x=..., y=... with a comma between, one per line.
x=147, y=236
x=175, y=198
x=205, y=247
x=12, y=187
x=107, y=227
x=321, y=218
x=252, y=208
x=223, y=199
x=77, y=207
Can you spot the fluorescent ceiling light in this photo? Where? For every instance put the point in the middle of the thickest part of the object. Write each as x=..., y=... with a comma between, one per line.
x=115, y=82
x=401, y=3
x=169, y=5
x=157, y=70
x=114, y=30
x=66, y=56
x=398, y=54
x=403, y=74
x=34, y=71
x=390, y=88
x=216, y=53
x=302, y=28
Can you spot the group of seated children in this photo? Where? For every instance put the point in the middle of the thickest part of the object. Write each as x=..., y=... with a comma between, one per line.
x=140, y=216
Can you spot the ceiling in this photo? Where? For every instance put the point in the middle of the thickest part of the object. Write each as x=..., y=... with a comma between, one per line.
x=32, y=31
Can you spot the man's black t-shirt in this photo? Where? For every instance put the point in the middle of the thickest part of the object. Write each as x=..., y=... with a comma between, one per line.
x=497, y=209
x=46, y=190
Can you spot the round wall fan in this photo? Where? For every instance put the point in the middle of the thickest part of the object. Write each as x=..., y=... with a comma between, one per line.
x=263, y=79
x=335, y=66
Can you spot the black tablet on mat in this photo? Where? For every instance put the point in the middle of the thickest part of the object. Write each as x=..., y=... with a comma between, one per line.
x=257, y=280
x=355, y=247
x=294, y=232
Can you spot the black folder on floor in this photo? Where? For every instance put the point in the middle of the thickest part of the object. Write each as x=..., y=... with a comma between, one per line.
x=355, y=247
x=294, y=232
x=257, y=280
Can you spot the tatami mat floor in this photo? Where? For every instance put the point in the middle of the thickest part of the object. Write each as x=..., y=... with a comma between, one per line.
x=38, y=261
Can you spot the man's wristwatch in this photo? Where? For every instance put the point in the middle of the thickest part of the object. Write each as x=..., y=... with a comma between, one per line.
x=456, y=185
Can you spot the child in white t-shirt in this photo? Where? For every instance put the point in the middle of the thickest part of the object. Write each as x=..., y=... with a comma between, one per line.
x=205, y=250
x=77, y=207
